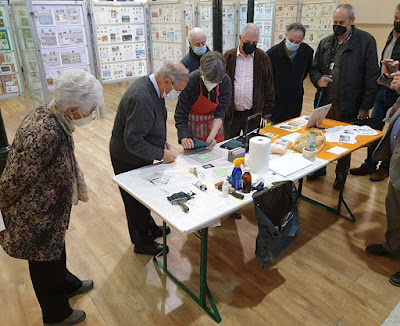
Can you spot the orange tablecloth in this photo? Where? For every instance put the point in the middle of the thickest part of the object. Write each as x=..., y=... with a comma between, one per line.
x=327, y=123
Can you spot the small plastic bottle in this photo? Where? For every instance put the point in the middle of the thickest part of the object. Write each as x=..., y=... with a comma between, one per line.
x=311, y=142
x=225, y=189
x=246, y=178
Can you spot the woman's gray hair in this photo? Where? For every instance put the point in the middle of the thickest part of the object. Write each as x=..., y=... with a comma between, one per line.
x=398, y=7
x=212, y=66
x=350, y=9
x=250, y=27
x=77, y=88
x=175, y=71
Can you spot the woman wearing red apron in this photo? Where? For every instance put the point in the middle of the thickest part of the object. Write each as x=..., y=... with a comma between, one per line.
x=201, y=107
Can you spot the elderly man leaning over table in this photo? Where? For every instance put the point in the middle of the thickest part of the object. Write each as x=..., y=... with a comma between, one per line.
x=389, y=149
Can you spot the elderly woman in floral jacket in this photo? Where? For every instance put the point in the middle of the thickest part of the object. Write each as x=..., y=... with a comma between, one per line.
x=39, y=184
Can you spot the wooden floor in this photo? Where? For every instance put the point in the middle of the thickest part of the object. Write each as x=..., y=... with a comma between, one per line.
x=324, y=278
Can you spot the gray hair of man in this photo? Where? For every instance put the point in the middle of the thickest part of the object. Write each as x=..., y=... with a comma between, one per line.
x=250, y=27
x=77, y=88
x=296, y=27
x=350, y=9
x=195, y=32
x=398, y=7
x=212, y=66
x=175, y=71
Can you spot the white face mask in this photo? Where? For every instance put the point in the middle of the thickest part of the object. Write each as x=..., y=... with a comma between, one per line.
x=208, y=85
x=82, y=121
x=172, y=95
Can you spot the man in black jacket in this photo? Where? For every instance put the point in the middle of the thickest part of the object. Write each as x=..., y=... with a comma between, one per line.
x=344, y=70
x=291, y=61
x=385, y=98
x=139, y=137
x=198, y=47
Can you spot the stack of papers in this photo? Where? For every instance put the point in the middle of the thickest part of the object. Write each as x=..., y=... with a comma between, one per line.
x=348, y=134
x=289, y=164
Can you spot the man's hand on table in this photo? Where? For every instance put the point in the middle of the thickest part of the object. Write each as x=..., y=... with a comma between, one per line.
x=187, y=143
x=363, y=114
x=169, y=156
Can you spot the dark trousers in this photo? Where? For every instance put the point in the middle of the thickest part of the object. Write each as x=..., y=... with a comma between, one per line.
x=52, y=282
x=238, y=124
x=385, y=98
x=343, y=164
x=140, y=222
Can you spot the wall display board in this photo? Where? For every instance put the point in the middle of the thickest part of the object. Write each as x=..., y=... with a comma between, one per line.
x=285, y=14
x=264, y=14
x=120, y=37
x=189, y=22
x=11, y=83
x=229, y=26
x=63, y=32
x=30, y=56
x=317, y=19
x=167, y=32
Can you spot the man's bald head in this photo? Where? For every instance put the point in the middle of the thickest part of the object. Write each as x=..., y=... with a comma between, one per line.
x=197, y=38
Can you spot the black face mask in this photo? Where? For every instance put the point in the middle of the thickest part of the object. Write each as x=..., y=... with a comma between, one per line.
x=249, y=48
x=339, y=30
x=397, y=27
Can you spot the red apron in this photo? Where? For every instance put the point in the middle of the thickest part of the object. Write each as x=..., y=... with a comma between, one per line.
x=201, y=116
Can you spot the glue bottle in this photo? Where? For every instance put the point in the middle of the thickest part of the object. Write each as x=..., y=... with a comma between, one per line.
x=237, y=173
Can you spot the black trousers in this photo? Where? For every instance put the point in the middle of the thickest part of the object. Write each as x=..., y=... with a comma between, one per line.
x=52, y=282
x=140, y=222
x=238, y=124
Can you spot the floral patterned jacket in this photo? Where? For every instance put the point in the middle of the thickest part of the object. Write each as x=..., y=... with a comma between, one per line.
x=36, y=189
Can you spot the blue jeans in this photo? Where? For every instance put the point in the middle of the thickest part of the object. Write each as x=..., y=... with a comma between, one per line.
x=385, y=98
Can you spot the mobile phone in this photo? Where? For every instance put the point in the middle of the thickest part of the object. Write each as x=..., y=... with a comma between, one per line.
x=390, y=68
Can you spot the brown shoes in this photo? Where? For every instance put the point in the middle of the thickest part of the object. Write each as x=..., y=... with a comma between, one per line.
x=379, y=175
x=362, y=170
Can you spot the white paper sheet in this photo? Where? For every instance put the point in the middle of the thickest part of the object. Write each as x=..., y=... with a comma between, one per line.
x=291, y=137
x=2, y=226
x=337, y=150
x=289, y=164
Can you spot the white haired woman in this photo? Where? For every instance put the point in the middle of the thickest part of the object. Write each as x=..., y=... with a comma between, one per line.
x=39, y=184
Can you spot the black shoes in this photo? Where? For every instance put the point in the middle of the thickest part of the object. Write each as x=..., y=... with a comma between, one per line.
x=377, y=250
x=149, y=248
x=395, y=279
x=75, y=318
x=87, y=285
x=158, y=231
x=315, y=175
x=340, y=180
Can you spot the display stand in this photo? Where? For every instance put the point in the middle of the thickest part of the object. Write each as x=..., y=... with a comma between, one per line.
x=11, y=83
x=189, y=22
x=264, y=14
x=317, y=19
x=167, y=32
x=31, y=60
x=229, y=25
x=120, y=37
x=285, y=14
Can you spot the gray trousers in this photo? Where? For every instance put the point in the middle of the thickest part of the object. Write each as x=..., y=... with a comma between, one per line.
x=392, y=244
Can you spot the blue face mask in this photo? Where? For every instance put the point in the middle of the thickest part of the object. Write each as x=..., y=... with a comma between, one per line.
x=291, y=46
x=200, y=51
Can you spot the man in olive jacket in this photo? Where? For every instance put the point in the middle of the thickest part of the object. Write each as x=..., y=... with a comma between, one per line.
x=250, y=71
x=344, y=70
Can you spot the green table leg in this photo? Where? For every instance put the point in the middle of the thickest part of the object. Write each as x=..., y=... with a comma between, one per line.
x=204, y=291
x=327, y=208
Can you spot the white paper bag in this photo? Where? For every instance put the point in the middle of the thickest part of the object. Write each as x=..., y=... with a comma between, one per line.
x=2, y=226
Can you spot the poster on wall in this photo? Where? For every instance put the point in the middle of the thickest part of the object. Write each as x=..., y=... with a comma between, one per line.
x=4, y=41
x=317, y=19
x=167, y=32
x=120, y=38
